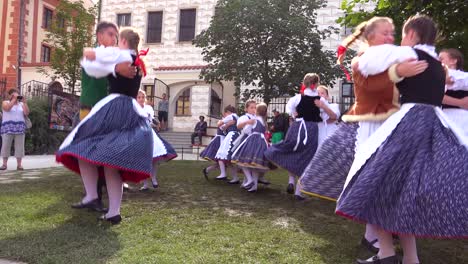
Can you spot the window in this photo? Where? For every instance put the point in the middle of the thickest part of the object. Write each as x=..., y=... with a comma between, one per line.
x=61, y=22
x=45, y=53
x=123, y=20
x=187, y=24
x=183, y=103
x=215, y=106
x=148, y=88
x=47, y=18
x=154, y=27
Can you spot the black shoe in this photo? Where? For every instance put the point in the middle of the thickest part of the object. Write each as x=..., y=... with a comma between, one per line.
x=248, y=186
x=205, y=173
x=299, y=198
x=126, y=187
x=290, y=188
x=234, y=182
x=265, y=182
x=95, y=205
x=144, y=189
x=377, y=260
x=369, y=245
x=221, y=179
x=155, y=185
x=115, y=220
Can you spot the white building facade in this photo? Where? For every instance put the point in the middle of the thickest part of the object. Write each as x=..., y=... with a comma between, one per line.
x=174, y=64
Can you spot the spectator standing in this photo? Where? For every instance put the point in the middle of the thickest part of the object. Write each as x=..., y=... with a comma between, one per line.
x=279, y=127
x=163, y=108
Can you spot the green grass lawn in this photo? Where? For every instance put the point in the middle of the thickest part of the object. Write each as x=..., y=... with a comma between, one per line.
x=186, y=220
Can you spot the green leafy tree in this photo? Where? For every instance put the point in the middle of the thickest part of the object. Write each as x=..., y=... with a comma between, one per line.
x=269, y=44
x=450, y=16
x=70, y=32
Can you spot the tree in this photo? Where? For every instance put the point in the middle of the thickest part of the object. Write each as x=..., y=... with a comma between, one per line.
x=269, y=44
x=70, y=32
x=450, y=16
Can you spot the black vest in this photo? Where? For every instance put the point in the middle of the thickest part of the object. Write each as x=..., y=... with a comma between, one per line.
x=455, y=94
x=123, y=85
x=308, y=110
x=427, y=87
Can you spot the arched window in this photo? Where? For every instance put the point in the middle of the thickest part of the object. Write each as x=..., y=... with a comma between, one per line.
x=215, y=107
x=183, y=103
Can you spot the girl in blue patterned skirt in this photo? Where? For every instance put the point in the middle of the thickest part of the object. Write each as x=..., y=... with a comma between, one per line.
x=410, y=177
x=250, y=154
x=115, y=135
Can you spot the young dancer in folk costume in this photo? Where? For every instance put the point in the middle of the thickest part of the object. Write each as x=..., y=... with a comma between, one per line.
x=165, y=151
x=94, y=89
x=301, y=142
x=115, y=134
x=409, y=177
x=209, y=153
x=329, y=124
x=225, y=150
x=376, y=99
x=456, y=95
x=250, y=154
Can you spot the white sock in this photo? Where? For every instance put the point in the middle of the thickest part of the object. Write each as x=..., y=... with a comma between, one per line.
x=410, y=251
x=89, y=175
x=298, y=189
x=146, y=183
x=248, y=175
x=233, y=170
x=292, y=179
x=222, y=169
x=386, y=244
x=212, y=167
x=371, y=234
x=114, y=191
x=154, y=176
x=255, y=180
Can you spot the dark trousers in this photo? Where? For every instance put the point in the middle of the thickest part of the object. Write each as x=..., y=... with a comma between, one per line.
x=198, y=134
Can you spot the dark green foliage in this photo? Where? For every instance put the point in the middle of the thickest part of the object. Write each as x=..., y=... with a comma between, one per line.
x=450, y=16
x=40, y=139
x=270, y=44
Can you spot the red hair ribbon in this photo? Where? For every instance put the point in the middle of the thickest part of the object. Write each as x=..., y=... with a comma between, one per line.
x=140, y=62
x=341, y=52
x=312, y=87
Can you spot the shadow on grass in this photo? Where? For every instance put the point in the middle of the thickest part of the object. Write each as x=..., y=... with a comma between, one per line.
x=49, y=231
x=189, y=219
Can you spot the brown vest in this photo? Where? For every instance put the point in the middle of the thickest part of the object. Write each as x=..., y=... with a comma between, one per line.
x=376, y=98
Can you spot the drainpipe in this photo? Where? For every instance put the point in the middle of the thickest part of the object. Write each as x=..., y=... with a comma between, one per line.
x=99, y=11
x=20, y=43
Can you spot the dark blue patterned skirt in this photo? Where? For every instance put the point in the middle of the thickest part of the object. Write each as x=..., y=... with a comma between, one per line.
x=295, y=161
x=251, y=152
x=168, y=152
x=113, y=135
x=416, y=181
x=209, y=153
x=325, y=175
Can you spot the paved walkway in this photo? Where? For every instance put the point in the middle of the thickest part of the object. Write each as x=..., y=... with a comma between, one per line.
x=48, y=161
x=34, y=162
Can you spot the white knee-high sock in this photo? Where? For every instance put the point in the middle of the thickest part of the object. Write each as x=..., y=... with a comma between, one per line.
x=248, y=175
x=222, y=169
x=114, y=191
x=386, y=244
x=154, y=175
x=410, y=251
x=298, y=188
x=233, y=170
x=371, y=234
x=255, y=176
x=212, y=167
x=89, y=175
x=292, y=178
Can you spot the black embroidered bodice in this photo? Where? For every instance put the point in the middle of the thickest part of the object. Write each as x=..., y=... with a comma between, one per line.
x=123, y=85
x=427, y=87
x=307, y=109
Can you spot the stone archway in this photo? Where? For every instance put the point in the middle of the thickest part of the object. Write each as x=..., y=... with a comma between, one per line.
x=55, y=86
